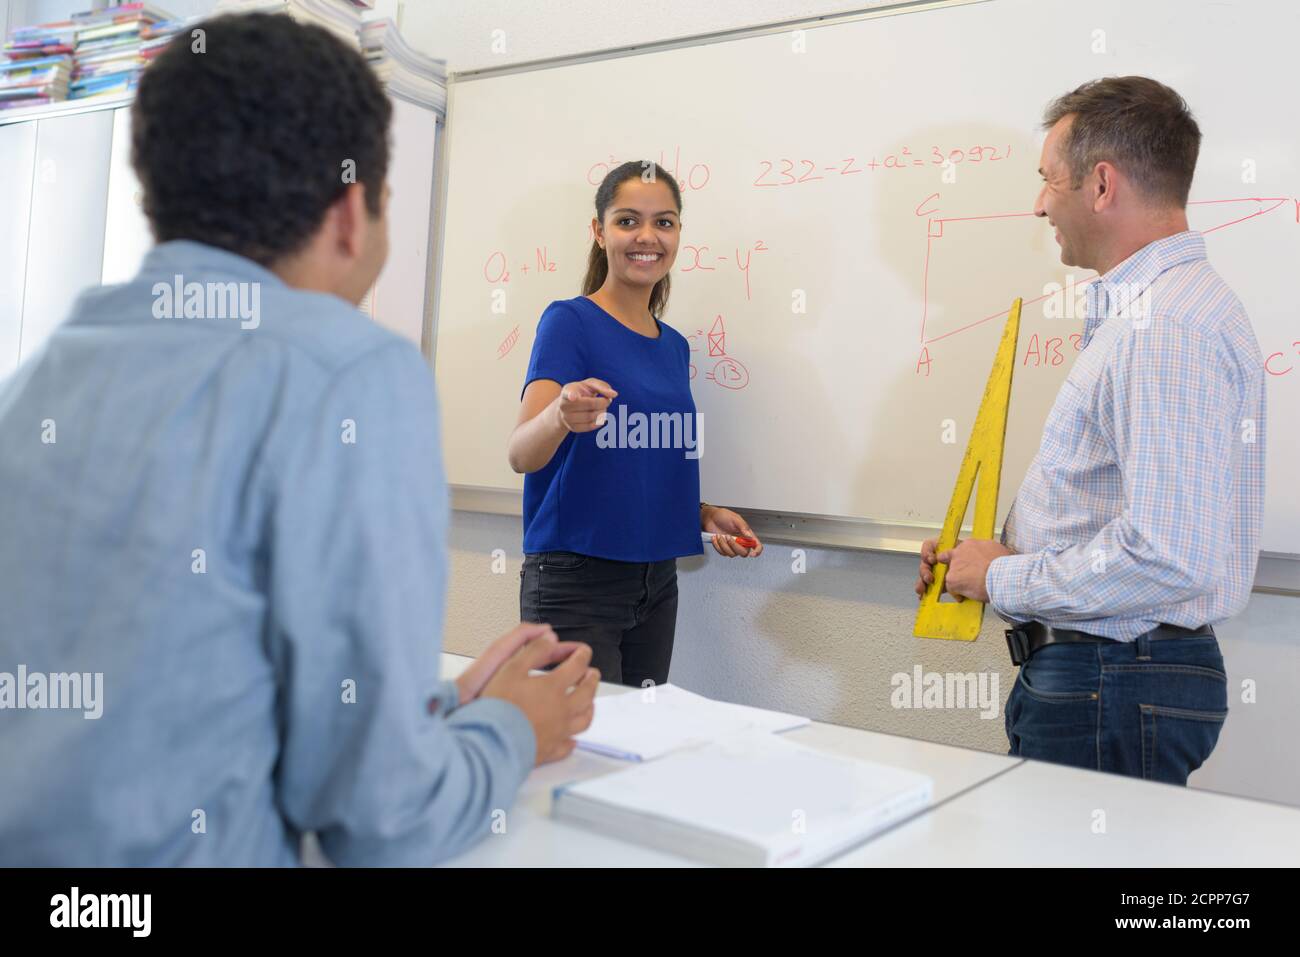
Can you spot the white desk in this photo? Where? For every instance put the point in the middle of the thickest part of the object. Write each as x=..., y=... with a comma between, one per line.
x=988, y=809
x=1042, y=815
x=533, y=839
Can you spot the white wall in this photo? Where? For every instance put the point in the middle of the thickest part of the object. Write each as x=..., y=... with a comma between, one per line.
x=826, y=642
x=462, y=31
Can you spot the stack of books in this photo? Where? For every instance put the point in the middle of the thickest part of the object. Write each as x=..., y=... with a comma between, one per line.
x=155, y=36
x=38, y=64
x=38, y=42
x=108, y=49
x=406, y=73
x=33, y=81
x=97, y=53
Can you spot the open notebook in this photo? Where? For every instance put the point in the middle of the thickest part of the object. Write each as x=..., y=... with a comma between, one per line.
x=751, y=799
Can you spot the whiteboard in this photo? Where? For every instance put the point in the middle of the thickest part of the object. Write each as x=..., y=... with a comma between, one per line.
x=812, y=165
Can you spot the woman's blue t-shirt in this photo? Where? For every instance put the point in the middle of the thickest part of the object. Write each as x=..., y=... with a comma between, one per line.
x=629, y=491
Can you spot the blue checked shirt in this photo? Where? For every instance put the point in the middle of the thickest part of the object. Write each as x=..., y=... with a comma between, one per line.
x=1143, y=505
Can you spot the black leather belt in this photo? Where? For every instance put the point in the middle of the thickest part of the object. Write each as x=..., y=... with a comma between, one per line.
x=1024, y=640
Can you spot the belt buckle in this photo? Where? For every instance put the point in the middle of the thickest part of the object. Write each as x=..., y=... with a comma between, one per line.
x=1018, y=645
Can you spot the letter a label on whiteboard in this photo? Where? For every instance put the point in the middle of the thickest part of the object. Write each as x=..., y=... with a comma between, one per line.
x=961, y=621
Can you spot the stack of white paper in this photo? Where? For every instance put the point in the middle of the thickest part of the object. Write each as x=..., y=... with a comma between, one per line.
x=752, y=799
x=405, y=71
x=647, y=724
x=340, y=17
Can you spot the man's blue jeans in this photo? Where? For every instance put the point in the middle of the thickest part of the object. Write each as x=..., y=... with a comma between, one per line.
x=1147, y=708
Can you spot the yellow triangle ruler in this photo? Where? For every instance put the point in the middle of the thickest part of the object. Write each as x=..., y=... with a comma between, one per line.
x=961, y=621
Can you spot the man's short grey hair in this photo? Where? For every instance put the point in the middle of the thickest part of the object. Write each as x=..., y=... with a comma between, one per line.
x=1140, y=125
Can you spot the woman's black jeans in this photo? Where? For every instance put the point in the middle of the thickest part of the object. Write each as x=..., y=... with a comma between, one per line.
x=626, y=611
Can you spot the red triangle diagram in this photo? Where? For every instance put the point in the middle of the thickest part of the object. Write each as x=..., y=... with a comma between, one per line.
x=718, y=338
x=728, y=371
x=1235, y=211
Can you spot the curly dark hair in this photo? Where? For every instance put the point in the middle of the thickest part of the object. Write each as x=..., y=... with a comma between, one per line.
x=243, y=142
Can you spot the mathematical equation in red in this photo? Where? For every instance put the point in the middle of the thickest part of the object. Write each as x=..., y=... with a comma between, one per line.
x=696, y=176
x=808, y=170
x=702, y=258
x=496, y=269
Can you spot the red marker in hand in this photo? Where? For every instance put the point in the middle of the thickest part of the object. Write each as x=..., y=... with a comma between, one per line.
x=744, y=541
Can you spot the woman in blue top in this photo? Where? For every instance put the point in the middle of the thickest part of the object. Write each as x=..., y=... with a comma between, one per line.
x=609, y=441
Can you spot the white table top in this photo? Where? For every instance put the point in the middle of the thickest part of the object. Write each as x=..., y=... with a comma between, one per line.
x=1043, y=815
x=988, y=809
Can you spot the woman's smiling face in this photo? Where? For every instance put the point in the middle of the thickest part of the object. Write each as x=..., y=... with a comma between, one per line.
x=641, y=232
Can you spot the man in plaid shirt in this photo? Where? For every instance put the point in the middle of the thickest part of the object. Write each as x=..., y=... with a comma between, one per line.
x=1137, y=525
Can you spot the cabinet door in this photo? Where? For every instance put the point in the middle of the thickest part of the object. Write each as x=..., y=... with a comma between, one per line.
x=18, y=162
x=65, y=249
x=126, y=233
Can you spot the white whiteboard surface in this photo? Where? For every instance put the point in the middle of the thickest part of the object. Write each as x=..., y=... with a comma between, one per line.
x=837, y=416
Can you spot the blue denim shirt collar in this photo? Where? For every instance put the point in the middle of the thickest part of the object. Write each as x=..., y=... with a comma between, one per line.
x=178, y=256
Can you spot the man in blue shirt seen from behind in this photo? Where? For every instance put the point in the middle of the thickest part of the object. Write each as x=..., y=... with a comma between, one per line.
x=223, y=539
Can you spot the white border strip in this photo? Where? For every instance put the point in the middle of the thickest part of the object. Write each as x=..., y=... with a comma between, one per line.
x=702, y=39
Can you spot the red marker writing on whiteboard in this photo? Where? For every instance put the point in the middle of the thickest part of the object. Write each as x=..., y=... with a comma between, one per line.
x=744, y=541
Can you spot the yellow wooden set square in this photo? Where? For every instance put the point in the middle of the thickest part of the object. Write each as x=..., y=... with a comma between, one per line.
x=960, y=621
